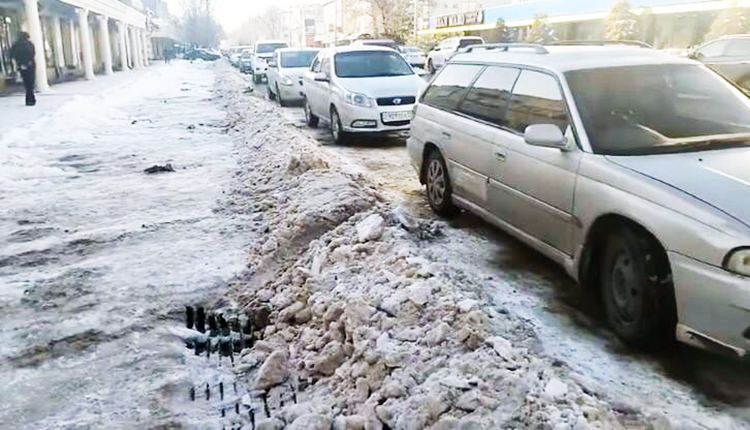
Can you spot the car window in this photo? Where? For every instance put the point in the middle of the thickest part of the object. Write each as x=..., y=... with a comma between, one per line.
x=369, y=64
x=537, y=99
x=316, y=63
x=267, y=48
x=325, y=66
x=738, y=48
x=488, y=98
x=450, y=86
x=297, y=59
x=638, y=110
x=715, y=49
x=469, y=42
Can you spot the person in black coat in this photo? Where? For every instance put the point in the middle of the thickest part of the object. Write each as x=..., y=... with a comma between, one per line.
x=23, y=53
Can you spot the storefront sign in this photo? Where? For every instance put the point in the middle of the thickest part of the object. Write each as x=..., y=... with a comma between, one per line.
x=457, y=20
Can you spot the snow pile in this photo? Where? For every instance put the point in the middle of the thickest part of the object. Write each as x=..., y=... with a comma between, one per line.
x=374, y=335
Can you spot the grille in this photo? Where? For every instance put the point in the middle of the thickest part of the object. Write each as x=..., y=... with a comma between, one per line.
x=397, y=123
x=388, y=101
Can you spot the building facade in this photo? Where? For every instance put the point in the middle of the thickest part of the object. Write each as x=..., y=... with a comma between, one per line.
x=663, y=23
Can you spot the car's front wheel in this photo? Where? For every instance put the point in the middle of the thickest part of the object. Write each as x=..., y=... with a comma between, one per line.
x=339, y=136
x=271, y=95
x=310, y=119
x=430, y=67
x=439, y=190
x=282, y=102
x=637, y=289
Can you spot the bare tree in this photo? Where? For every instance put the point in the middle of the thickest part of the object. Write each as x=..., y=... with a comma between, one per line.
x=198, y=26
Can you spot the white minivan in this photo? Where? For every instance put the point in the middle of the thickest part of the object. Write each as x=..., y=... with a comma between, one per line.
x=263, y=52
x=361, y=89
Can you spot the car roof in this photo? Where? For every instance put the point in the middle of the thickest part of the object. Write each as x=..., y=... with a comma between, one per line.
x=268, y=42
x=566, y=58
x=301, y=48
x=358, y=48
x=734, y=36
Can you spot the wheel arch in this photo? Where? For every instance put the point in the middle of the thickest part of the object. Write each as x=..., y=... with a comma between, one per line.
x=429, y=147
x=596, y=236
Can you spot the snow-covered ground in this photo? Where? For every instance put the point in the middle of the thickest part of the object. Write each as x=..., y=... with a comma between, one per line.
x=96, y=256
x=367, y=311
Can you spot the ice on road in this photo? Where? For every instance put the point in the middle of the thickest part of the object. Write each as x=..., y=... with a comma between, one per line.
x=94, y=252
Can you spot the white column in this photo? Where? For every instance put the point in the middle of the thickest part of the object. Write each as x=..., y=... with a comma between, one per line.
x=123, y=45
x=139, y=45
x=35, y=31
x=73, y=42
x=88, y=53
x=134, y=48
x=106, y=47
x=57, y=42
x=129, y=47
x=145, y=40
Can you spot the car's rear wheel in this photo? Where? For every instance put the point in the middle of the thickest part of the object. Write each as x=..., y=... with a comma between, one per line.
x=339, y=136
x=439, y=189
x=310, y=119
x=637, y=289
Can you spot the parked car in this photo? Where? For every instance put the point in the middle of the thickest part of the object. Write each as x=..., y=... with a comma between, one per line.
x=388, y=43
x=201, y=54
x=360, y=89
x=728, y=55
x=285, y=71
x=447, y=49
x=627, y=166
x=413, y=55
x=263, y=52
x=236, y=54
x=246, y=61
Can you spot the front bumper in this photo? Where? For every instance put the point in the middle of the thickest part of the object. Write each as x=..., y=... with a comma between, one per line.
x=350, y=113
x=713, y=306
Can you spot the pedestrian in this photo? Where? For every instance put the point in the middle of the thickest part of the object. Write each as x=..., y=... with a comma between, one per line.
x=23, y=53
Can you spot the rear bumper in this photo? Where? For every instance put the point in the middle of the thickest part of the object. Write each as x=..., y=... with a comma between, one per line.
x=713, y=306
x=291, y=92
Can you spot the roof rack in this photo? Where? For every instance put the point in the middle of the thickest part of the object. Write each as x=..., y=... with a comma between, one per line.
x=637, y=43
x=539, y=49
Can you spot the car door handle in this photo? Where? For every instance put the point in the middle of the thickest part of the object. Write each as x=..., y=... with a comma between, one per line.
x=499, y=156
x=447, y=135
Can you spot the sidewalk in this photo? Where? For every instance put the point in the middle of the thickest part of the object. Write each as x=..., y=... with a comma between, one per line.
x=14, y=112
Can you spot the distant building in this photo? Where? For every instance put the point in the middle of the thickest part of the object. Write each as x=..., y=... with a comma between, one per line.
x=664, y=23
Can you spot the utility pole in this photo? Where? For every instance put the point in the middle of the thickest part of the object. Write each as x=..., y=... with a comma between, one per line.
x=335, y=22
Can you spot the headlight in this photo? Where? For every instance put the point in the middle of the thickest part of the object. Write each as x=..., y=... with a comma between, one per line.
x=738, y=261
x=357, y=99
x=285, y=80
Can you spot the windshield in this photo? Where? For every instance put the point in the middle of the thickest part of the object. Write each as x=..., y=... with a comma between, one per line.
x=370, y=64
x=297, y=59
x=468, y=42
x=247, y=54
x=268, y=48
x=639, y=110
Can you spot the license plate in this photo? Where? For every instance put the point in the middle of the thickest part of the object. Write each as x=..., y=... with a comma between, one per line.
x=404, y=115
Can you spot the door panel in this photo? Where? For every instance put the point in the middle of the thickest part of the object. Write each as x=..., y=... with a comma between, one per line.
x=539, y=183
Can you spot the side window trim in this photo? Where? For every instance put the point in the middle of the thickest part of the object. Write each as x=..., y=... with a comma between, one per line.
x=458, y=105
x=476, y=78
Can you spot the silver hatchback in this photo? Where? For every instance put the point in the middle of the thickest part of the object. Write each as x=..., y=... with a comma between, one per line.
x=628, y=167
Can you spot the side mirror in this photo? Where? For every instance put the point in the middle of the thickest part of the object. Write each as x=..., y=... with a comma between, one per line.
x=271, y=63
x=321, y=77
x=545, y=135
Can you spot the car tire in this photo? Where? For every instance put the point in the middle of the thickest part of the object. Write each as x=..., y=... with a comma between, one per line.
x=271, y=95
x=439, y=188
x=430, y=67
x=637, y=290
x=281, y=101
x=339, y=136
x=310, y=119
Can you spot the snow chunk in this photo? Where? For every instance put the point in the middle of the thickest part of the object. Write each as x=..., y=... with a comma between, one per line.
x=502, y=346
x=371, y=228
x=467, y=305
x=420, y=293
x=555, y=389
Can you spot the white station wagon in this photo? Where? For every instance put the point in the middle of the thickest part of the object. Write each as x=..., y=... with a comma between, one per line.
x=629, y=167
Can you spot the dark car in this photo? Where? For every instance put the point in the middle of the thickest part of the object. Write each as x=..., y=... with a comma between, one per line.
x=202, y=54
x=728, y=55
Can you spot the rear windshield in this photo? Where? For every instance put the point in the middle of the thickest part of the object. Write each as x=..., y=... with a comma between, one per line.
x=661, y=108
x=468, y=42
x=297, y=59
x=268, y=48
x=369, y=64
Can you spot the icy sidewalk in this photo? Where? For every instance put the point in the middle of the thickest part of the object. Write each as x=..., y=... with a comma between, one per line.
x=14, y=113
x=95, y=254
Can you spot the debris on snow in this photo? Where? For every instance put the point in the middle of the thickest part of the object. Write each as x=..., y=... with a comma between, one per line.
x=159, y=169
x=371, y=228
